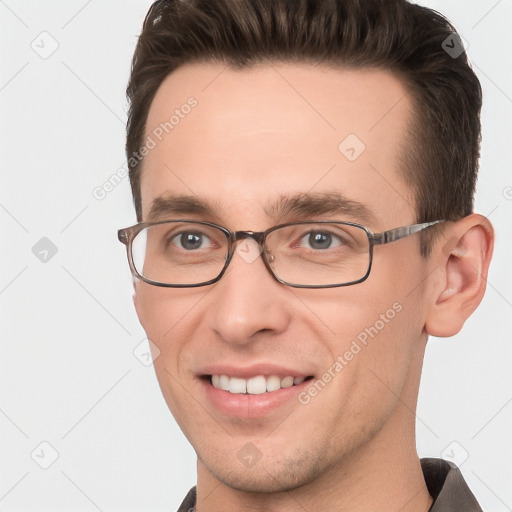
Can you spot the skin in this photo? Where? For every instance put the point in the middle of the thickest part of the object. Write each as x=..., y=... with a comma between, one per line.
x=255, y=136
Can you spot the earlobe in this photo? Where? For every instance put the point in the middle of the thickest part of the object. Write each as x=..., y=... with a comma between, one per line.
x=463, y=257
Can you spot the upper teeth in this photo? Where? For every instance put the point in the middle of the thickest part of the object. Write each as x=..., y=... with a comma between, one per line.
x=254, y=385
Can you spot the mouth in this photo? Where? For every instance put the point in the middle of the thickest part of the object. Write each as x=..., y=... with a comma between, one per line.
x=252, y=393
x=257, y=385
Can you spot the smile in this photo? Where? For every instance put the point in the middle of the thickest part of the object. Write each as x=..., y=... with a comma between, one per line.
x=256, y=385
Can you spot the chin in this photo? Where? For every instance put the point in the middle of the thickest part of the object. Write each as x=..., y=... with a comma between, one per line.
x=272, y=475
x=261, y=480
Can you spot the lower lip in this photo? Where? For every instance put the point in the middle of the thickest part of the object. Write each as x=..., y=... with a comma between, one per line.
x=251, y=406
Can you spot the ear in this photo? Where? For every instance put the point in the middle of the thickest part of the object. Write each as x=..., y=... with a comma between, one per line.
x=463, y=256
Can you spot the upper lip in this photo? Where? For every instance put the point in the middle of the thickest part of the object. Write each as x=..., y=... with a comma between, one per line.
x=246, y=372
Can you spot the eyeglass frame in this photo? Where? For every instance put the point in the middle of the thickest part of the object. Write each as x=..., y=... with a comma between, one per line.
x=127, y=235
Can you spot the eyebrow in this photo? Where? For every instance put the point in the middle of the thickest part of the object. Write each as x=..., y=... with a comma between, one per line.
x=312, y=205
x=285, y=208
x=170, y=205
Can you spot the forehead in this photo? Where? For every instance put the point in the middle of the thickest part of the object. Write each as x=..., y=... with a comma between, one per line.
x=239, y=138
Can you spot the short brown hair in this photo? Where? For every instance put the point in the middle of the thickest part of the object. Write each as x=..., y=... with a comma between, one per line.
x=440, y=157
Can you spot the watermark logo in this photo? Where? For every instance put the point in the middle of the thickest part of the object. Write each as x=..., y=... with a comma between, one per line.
x=162, y=130
x=100, y=192
x=146, y=352
x=249, y=250
x=44, y=455
x=455, y=453
x=44, y=250
x=351, y=147
x=249, y=455
x=45, y=45
x=175, y=119
x=454, y=45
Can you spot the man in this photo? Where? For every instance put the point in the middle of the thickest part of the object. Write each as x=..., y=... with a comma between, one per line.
x=303, y=174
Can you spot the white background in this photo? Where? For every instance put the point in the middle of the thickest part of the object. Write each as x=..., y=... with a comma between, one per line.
x=68, y=328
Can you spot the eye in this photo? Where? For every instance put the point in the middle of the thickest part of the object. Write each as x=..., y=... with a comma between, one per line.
x=321, y=240
x=191, y=241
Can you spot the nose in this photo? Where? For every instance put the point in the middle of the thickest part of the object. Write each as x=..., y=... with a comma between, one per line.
x=248, y=301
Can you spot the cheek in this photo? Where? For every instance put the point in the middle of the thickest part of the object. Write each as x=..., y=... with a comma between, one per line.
x=376, y=360
x=377, y=326
x=395, y=341
x=167, y=316
x=165, y=312
x=151, y=310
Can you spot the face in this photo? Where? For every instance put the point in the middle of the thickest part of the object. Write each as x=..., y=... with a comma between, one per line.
x=252, y=141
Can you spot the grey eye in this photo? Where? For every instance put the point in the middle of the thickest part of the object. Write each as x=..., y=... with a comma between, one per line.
x=191, y=241
x=320, y=240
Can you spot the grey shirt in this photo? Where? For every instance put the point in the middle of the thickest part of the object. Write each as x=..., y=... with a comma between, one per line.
x=444, y=483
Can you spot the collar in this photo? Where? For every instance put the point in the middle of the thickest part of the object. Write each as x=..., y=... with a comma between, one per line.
x=447, y=486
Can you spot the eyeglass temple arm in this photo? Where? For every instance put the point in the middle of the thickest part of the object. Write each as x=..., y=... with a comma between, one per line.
x=398, y=233
x=124, y=235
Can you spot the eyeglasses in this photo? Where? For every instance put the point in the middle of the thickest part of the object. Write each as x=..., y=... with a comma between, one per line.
x=309, y=254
